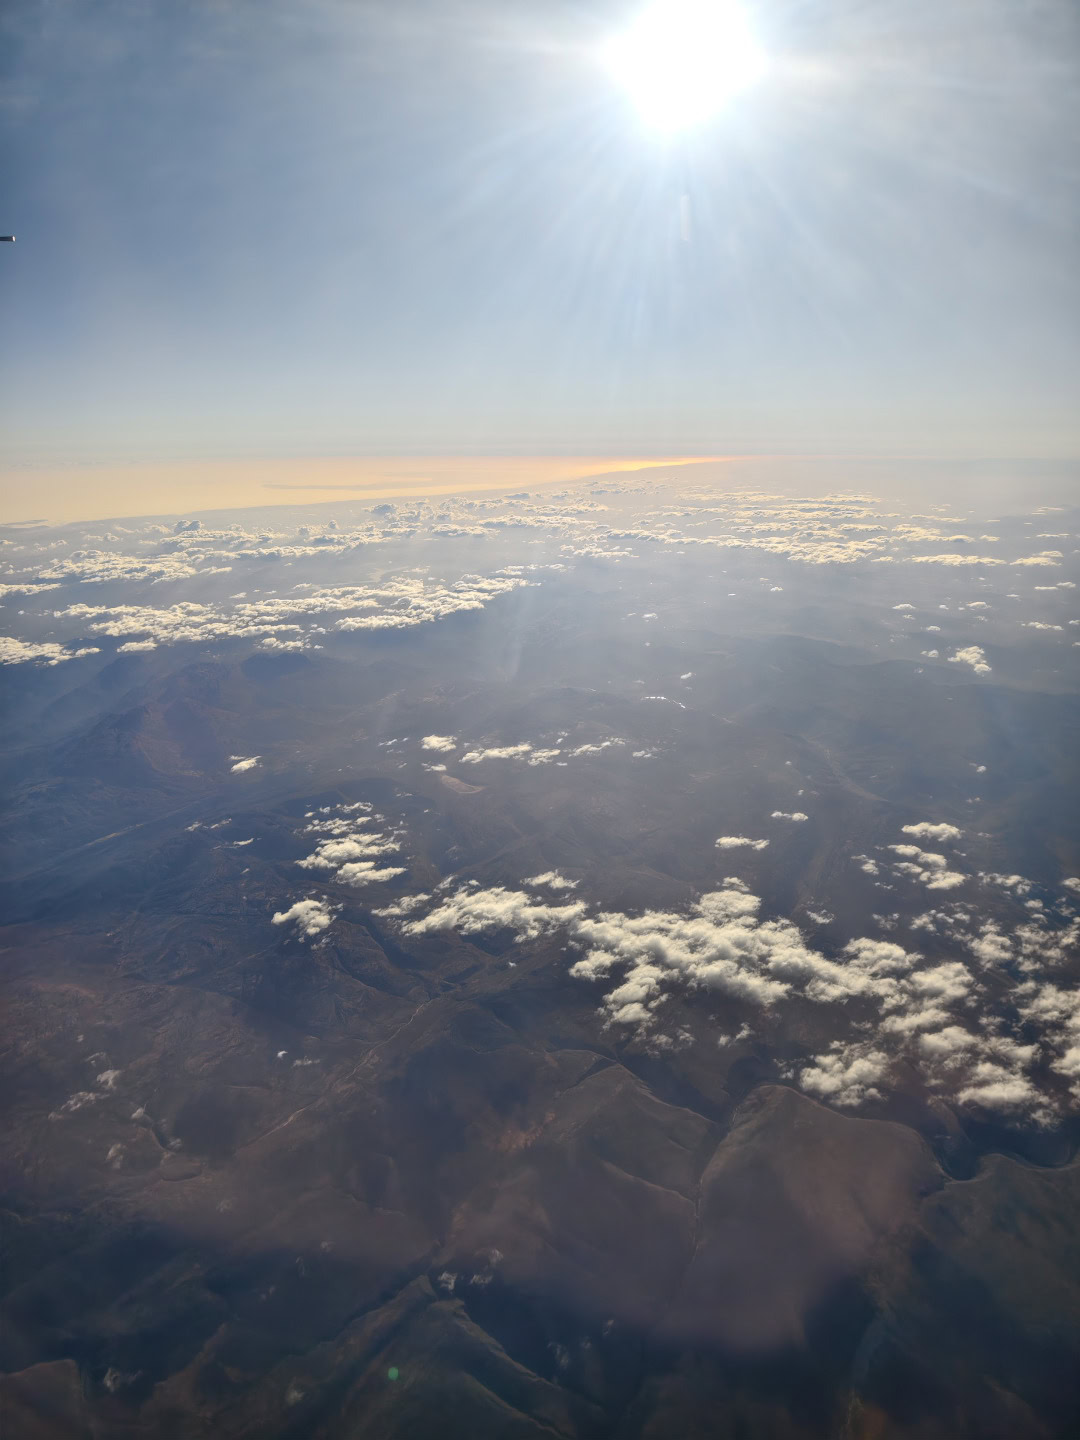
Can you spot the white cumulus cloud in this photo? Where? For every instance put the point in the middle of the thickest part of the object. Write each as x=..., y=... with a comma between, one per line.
x=928, y=830
x=553, y=880
x=971, y=655
x=443, y=743
x=310, y=917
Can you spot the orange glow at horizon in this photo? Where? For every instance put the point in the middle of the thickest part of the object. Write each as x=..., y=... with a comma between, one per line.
x=65, y=494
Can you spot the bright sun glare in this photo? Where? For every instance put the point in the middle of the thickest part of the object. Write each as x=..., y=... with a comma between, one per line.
x=682, y=60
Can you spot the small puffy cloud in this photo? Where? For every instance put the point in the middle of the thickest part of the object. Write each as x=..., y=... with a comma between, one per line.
x=994, y=1087
x=971, y=655
x=497, y=752
x=722, y=945
x=954, y=558
x=274, y=621
x=991, y=947
x=1057, y=1013
x=927, y=830
x=949, y=1044
x=272, y=642
x=405, y=906
x=310, y=917
x=100, y=566
x=943, y=983
x=473, y=911
x=847, y=1074
x=75, y=1102
x=418, y=604
x=1018, y=883
x=349, y=845
x=29, y=589
x=879, y=957
x=738, y=842
x=443, y=743
x=923, y=857
x=343, y=849
x=926, y=866
x=366, y=872
x=553, y=880
x=241, y=763
x=1044, y=557
x=796, y=815
x=45, y=652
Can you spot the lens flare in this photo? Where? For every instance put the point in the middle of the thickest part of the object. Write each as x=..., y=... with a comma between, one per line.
x=681, y=61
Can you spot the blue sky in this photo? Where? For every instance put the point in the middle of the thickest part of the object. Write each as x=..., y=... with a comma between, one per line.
x=250, y=228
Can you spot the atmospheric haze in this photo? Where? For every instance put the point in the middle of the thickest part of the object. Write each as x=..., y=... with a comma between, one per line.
x=539, y=627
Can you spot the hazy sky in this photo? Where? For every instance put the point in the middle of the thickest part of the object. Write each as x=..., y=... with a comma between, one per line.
x=250, y=228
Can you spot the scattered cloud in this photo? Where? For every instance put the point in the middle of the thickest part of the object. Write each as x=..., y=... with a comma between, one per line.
x=553, y=880
x=350, y=846
x=28, y=589
x=44, y=652
x=101, y=567
x=366, y=872
x=311, y=917
x=928, y=830
x=396, y=603
x=497, y=752
x=443, y=743
x=928, y=867
x=472, y=911
x=971, y=655
x=405, y=906
x=848, y=1074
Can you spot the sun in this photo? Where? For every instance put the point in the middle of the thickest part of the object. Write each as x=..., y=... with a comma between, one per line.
x=682, y=60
